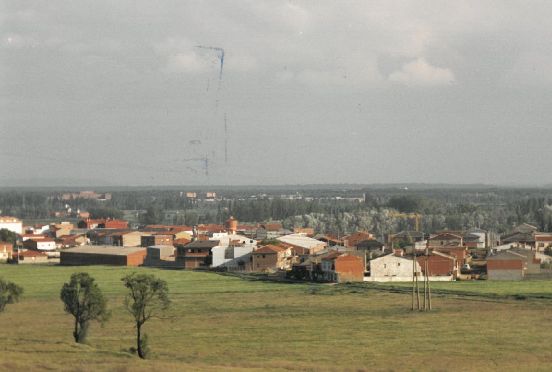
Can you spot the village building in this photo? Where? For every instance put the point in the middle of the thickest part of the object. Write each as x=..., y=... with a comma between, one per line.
x=60, y=229
x=447, y=239
x=329, y=239
x=233, y=251
x=461, y=254
x=6, y=251
x=303, y=241
x=12, y=224
x=343, y=267
x=543, y=241
x=157, y=238
x=392, y=268
x=42, y=244
x=196, y=255
x=103, y=255
x=271, y=258
x=73, y=240
x=25, y=237
x=102, y=223
x=308, y=231
x=353, y=239
x=269, y=230
x=438, y=264
x=30, y=257
x=506, y=265
x=160, y=256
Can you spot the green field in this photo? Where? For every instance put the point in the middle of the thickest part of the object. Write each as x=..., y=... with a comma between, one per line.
x=226, y=323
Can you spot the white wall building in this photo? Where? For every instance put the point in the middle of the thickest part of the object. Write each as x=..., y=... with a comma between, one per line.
x=12, y=224
x=233, y=251
x=46, y=245
x=303, y=241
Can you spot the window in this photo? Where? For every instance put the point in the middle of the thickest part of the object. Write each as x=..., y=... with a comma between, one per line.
x=384, y=266
x=398, y=264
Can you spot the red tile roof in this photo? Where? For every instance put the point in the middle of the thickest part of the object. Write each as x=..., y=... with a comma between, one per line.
x=270, y=249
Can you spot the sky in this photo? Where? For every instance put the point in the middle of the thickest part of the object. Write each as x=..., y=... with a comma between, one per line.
x=310, y=92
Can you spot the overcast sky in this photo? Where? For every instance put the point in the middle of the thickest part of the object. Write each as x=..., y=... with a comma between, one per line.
x=118, y=92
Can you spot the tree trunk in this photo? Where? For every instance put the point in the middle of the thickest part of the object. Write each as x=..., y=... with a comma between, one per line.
x=139, y=341
x=76, y=331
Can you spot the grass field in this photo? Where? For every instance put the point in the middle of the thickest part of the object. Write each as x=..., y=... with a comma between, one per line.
x=225, y=323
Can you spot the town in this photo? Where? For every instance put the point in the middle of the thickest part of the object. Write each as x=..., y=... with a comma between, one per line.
x=278, y=250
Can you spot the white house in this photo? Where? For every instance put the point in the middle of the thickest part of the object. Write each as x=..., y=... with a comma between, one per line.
x=233, y=251
x=12, y=224
x=45, y=244
x=392, y=268
x=303, y=241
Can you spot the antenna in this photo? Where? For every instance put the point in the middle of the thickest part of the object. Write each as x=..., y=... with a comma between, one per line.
x=225, y=140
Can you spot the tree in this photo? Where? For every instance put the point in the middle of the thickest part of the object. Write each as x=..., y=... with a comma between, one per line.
x=8, y=236
x=85, y=301
x=9, y=293
x=148, y=296
x=152, y=215
x=406, y=203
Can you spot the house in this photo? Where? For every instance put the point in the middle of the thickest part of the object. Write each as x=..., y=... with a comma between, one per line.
x=61, y=229
x=460, y=253
x=125, y=238
x=196, y=254
x=353, y=239
x=6, y=251
x=233, y=252
x=445, y=239
x=160, y=256
x=506, y=265
x=30, y=257
x=103, y=255
x=44, y=244
x=519, y=239
x=392, y=268
x=308, y=231
x=73, y=240
x=271, y=258
x=343, y=267
x=113, y=237
x=25, y=237
x=478, y=238
x=543, y=241
x=329, y=239
x=303, y=241
x=103, y=223
x=157, y=238
x=404, y=238
x=439, y=264
x=269, y=230
x=531, y=258
x=474, y=241
x=12, y=224
x=370, y=247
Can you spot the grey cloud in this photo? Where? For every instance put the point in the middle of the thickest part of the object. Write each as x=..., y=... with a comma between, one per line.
x=354, y=91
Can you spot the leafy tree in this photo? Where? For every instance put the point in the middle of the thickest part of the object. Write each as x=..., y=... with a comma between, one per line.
x=9, y=293
x=406, y=203
x=85, y=301
x=8, y=236
x=105, y=212
x=148, y=296
x=152, y=216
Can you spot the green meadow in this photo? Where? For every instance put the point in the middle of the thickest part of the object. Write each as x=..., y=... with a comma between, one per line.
x=225, y=323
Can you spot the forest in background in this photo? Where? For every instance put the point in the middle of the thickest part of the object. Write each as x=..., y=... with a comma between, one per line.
x=338, y=210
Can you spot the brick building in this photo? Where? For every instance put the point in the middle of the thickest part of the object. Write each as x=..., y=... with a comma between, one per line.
x=103, y=255
x=270, y=257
